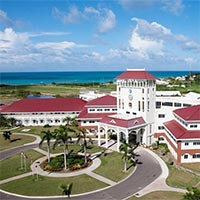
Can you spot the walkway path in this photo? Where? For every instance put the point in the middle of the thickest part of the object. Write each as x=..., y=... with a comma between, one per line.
x=150, y=175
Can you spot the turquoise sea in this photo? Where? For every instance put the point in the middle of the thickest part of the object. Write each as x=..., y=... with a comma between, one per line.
x=26, y=78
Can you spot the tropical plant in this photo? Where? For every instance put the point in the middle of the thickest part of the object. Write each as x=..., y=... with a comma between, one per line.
x=66, y=189
x=62, y=135
x=3, y=121
x=11, y=121
x=7, y=135
x=128, y=153
x=68, y=120
x=192, y=194
x=81, y=134
x=47, y=136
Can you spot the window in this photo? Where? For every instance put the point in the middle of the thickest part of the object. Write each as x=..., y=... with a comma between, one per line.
x=196, y=156
x=139, y=107
x=127, y=112
x=107, y=109
x=114, y=109
x=134, y=113
x=160, y=127
x=193, y=126
x=186, y=105
x=84, y=122
x=142, y=90
x=185, y=156
x=91, y=109
x=196, y=143
x=158, y=104
x=91, y=122
x=143, y=106
x=99, y=109
x=161, y=115
x=161, y=139
x=148, y=105
x=167, y=103
x=186, y=143
x=130, y=105
x=177, y=104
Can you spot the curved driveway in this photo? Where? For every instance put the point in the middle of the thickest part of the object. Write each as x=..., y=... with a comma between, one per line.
x=148, y=169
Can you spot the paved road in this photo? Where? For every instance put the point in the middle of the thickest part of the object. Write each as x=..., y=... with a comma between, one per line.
x=148, y=169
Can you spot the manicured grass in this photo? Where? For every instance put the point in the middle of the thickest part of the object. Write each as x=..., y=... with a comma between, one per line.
x=181, y=179
x=112, y=166
x=46, y=186
x=76, y=147
x=16, y=140
x=35, y=130
x=11, y=166
x=194, y=167
x=161, y=195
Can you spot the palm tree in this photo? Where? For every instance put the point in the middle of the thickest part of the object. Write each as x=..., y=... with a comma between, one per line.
x=127, y=153
x=3, y=121
x=6, y=135
x=67, y=189
x=81, y=134
x=68, y=120
x=62, y=135
x=47, y=136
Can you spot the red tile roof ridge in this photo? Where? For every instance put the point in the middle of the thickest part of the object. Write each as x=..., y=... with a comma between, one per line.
x=191, y=113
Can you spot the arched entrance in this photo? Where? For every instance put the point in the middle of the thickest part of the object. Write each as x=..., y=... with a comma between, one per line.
x=132, y=138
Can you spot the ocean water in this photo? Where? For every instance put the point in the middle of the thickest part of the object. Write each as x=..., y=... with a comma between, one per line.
x=26, y=78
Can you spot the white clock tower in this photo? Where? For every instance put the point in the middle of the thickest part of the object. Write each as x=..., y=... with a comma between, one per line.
x=136, y=91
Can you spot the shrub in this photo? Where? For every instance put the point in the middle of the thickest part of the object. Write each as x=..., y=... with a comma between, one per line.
x=170, y=161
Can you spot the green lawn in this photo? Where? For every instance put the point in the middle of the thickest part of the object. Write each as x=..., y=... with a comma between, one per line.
x=11, y=166
x=46, y=186
x=181, y=179
x=161, y=195
x=16, y=140
x=112, y=166
x=35, y=130
x=194, y=167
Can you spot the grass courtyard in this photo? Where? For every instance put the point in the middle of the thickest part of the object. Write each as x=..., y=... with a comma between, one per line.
x=46, y=186
x=16, y=140
x=12, y=166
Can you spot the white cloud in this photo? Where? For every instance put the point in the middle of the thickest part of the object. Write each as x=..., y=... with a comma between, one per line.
x=137, y=4
x=91, y=10
x=104, y=18
x=108, y=22
x=173, y=6
x=73, y=15
x=5, y=20
x=19, y=49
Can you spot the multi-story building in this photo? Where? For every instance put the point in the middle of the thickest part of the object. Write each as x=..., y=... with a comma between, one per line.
x=41, y=111
x=95, y=110
x=182, y=134
x=137, y=114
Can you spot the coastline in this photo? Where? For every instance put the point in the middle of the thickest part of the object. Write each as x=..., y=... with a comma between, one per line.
x=84, y=77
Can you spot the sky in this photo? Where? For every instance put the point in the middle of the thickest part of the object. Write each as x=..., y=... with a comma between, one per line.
x=99, y=35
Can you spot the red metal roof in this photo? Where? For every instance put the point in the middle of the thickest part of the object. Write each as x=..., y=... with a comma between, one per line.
x=189, y=113
x=45, y=105
x=130, y=123
x=140, y=75
x=106, y=100
x=180, y=132
x=85, y=115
